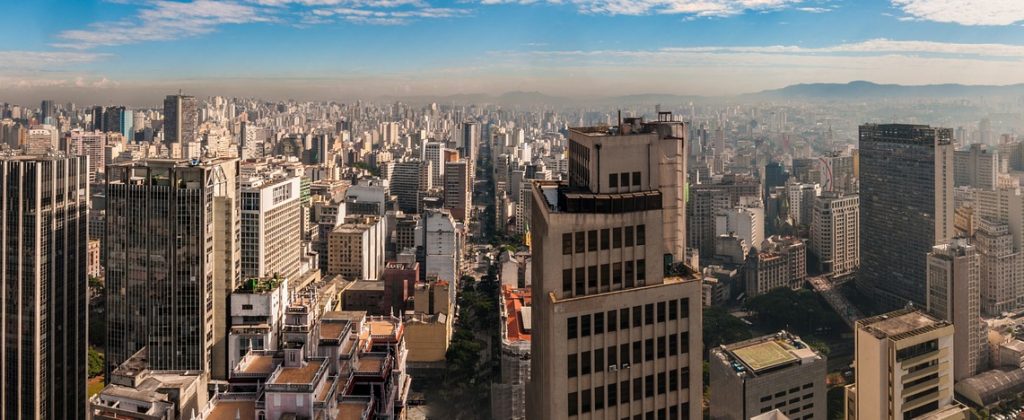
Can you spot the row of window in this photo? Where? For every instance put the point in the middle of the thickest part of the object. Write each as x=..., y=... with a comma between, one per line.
x=634, y=273
x=609, y=238
x=588, y=362
x=599, y=323
x=623, y=179
x=794, y=400
x=792, y=390
x=599, y=398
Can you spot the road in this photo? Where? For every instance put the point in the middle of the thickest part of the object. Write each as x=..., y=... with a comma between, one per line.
x=844, y=308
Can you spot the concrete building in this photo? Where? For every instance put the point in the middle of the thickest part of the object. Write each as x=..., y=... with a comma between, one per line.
x=1001, y=279
x=135, y=392
x=903, y=368
x=40, y=139
x=439, y=236
x=172, y=249
x=257, y=311
x=617, y=333
x=774, y=372
x=835, y=233
x=710, y=198
x=508, y=396
x=801, y=202
x=45, y=306
x=406, y=180
x=355, y=249
x=92, y=144
x=458, y=197
x=954, y=296
x=906, y=207
x=782, y=262
x=433, y=152
x=977, y=167
x=369, y=200
x=746, y=222
x=181, y=119
x=271, y=226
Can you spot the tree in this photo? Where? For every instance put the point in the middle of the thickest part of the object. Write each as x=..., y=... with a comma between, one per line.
x=95, y=362
x=800, y=311
x=722, y=328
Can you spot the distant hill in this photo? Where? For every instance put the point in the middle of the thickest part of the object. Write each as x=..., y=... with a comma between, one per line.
x=863, y=89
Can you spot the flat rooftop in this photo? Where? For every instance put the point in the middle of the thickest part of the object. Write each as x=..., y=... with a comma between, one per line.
x=258, y=364
x=233, y=410
x=764, y=355
x=298, y=375
x=352, y=410
x=901, y=323
x=332, y=330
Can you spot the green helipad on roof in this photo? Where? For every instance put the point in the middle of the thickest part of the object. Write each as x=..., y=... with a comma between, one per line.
x=764, y=355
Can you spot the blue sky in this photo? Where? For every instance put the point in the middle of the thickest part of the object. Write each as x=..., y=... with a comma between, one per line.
x=565, y=47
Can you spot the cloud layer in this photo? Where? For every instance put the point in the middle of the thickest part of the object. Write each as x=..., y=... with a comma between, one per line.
x=964, y=12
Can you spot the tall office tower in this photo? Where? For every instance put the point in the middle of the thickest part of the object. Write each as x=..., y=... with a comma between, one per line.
x=355, y=248
x=801, y=202
x=470, y=141
x=457, y=197
x=954, y=296
x=48, y=112
x=433, y=152
x=271, y=232
x=1002, y=282
x=745, y=221
x=835, y=233
x=985, y=132
x=40, y=139
x=906, y=207
x=181, y=119
x=775, y=175
x=172, y=250
x=976, y=167
x=618, y=332
x=777, y=371
x=903, y=368
x=92, y=144
x=43, y=347
x=442, y=245
x=837, y=173
x=407, y=179
x=97, y=118
x=707, y=199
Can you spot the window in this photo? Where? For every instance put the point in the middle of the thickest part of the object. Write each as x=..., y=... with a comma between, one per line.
x=567, y=280
x=637, y=316
x=624, y=353
x=684, y=341
x=617, y=238
x=580, y=282
x=638, y=355
x=611, y=320
x=599, y=360
x=572, y=364
x=599, y=323
x=605, y=240
x=247, y=307
x=585, y=363
x=673, y=344
x=636, y=179
x=649, y=314
x=673, y=413
x=605, y=274
x=628, y=236
x=638, y=389
x=573, y=406
x=585, y=326
x=613, y=396
x=612, y=358
x=613, y=180
x=599, y=398
x=624, y=179
x=649, y=386
x=661, y=311
x=661, y=347
x=629, y=274
x=661, y=383
x=673, y=310
x=592, y=277
x=566, y=243
x=684, y=377
x=641, y=270
x=624, y=318
x=684, y=307
x=570, y=327
x=617, y=273
x=624, y=391
x=673, y=382
x=585, y=401
x=592, y=240
x=649, y=349
x=641, y=235
x=580, y=246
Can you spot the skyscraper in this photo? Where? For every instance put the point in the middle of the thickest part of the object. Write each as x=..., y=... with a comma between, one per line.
x=470, y=141
x=457, y=198
x=47, y=112
x=172, y=252
x=618, y=333
x=835, y=233
x=906, y=207
x=954, y=296
x=45, y=307
x=271, y=232
x=181, y=119
x=433, y=152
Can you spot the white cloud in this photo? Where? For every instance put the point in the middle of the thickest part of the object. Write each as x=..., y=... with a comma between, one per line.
x=964, y=12
x=693, y=8
x=44, y=60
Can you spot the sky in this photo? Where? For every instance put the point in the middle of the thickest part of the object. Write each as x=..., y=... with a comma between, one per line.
x=140, y=50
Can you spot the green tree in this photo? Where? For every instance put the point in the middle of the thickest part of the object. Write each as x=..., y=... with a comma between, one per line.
x=722, y=328
x=95, y=362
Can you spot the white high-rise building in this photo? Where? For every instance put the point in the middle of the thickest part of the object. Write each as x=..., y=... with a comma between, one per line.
x=747, y=222
x=835, y=233
x=953, y=295
x=433, y=152
x=271, y=226
x=801, y=202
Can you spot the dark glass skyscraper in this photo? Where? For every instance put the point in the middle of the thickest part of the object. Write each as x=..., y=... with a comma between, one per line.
x=181, y=119
x=44, y=302
x=906, y=207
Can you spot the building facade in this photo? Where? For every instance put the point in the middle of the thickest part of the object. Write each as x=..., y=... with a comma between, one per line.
x=835, y=233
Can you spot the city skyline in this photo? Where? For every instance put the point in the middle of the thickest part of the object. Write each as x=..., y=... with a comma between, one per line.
x=128, y=52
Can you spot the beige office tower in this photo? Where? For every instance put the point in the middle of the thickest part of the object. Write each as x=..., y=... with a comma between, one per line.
x=617, y=322
x=953, y=296
x=835, y=233
x=271, y=233
x=172, y=259
x=903, y=368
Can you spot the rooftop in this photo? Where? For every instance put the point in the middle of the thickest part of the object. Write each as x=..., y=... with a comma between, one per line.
x=353, y=410
x=233, y=410
x=302, y=375
x=763, y=354
x=900, y=324
x=518, y=312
